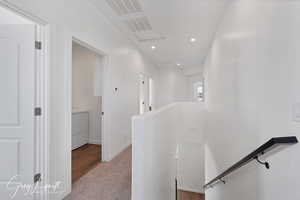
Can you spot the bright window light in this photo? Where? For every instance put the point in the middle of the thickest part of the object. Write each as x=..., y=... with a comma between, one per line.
x=199, y=91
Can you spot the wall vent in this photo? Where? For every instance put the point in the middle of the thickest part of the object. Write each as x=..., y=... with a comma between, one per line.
x=125, y=7
x=140, y=24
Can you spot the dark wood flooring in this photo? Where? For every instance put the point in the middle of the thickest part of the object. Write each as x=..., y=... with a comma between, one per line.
x=184, y=195
x=84, y=159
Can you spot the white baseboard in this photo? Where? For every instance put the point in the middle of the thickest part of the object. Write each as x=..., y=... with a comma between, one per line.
x=95, y=142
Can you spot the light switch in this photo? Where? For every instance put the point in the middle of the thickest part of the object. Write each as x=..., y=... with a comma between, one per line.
x=296, y=112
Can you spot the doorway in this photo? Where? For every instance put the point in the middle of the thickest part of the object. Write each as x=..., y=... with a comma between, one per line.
x=87, y=84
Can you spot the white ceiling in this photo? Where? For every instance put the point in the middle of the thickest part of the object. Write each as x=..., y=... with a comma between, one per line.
x=168, y=25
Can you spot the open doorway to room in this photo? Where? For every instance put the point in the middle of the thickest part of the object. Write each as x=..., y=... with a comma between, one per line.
x=87, y=84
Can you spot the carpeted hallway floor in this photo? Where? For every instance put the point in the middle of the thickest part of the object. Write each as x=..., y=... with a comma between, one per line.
x=112, y=181
x=107, y=181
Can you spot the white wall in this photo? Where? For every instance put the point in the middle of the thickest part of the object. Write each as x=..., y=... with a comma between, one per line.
x=60, y=109
x=190, y=164
x=188, y=71
x=252, y=81
x=79, y=19
x=158, y=139
x=153, y=154
x=124, y=103
x=173, y=86
x=87, y=66
x=177, y=85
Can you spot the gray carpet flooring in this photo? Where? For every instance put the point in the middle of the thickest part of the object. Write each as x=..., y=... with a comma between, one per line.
x=107, y=181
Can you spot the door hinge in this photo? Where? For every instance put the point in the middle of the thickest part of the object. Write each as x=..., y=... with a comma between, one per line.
x=38, y=45
x=37, y=178
x=38, y=111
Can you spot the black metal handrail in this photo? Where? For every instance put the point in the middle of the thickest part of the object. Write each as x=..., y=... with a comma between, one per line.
x=268, y=146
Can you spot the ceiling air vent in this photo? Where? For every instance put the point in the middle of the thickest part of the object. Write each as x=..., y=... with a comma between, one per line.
x=140, y=24
x=152, y=39
x=149, y=36
x=125, y=7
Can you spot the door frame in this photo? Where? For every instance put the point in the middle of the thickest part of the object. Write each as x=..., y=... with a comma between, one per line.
x=144, y=90
x=42, y=97
x=104, y=123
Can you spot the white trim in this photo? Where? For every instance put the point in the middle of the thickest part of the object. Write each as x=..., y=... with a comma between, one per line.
x=42, y=100
x=105, y=127
x=22, y=13
x=46, y=73
x=68, y=106
x=97, y=142
x=88, y=46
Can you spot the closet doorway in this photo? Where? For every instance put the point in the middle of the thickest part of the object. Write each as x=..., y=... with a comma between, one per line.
x=87, y=84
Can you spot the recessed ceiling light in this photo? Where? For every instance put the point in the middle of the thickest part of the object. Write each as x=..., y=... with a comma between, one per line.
x=153, y=47
x=178, y=64
x=193, y=39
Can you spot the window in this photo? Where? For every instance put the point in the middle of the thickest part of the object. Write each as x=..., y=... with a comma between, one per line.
x=199, y=91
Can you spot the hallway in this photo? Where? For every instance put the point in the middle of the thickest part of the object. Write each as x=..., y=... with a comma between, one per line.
x=107, y=181
x=184, y=99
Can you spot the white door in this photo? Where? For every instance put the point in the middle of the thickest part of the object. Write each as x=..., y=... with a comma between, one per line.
x=17, y=86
